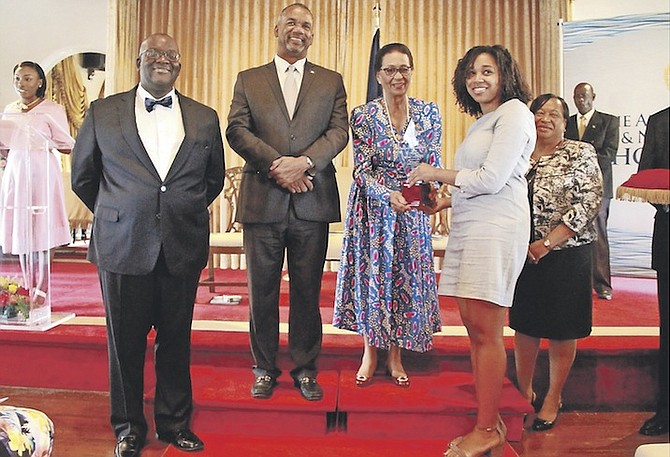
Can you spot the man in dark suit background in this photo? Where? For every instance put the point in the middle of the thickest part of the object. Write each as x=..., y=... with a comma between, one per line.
x=288, y=120
x=602, y=131
x=148, y=163
x=655, y=154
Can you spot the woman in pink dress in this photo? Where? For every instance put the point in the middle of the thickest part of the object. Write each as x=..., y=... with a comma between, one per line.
x=33, y=218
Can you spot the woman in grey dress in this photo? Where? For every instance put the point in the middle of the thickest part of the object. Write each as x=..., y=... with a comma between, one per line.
x=490, y=228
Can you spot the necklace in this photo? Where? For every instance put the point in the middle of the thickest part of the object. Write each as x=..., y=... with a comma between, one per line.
x=397, y=136
x=26, y=107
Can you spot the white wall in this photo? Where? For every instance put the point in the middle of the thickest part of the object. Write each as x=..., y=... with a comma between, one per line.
x=597, y=9
x=46, y=31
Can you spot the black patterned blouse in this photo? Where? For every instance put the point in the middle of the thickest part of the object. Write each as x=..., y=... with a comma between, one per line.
x=566, y=187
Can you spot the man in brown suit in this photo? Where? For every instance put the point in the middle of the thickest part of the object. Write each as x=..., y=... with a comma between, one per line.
x=288, y=120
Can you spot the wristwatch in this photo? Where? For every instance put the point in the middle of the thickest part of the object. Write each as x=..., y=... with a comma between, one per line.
x=311, y=166
x=546, y=243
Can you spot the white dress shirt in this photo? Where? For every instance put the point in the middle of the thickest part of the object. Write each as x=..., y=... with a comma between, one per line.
x=283, y=65
x=161, y=130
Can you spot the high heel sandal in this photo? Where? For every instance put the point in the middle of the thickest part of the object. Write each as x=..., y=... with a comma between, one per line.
x=494, y=451
x=362, y=380
x=501, y=425
x=400, y=381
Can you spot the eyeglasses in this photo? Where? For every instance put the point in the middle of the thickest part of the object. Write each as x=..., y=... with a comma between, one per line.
x=391, y=71
x=155, y=54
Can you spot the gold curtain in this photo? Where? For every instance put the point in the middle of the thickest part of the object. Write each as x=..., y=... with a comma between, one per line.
x=218, y=39
x=67, y=89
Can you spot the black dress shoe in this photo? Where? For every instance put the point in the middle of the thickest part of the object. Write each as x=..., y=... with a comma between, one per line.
x=536, y=403
x=655, y=426
x=541, y=425
x=128, y=446
x=604, y=294
x=183, y=439
x=263, y=386
x=309, y=388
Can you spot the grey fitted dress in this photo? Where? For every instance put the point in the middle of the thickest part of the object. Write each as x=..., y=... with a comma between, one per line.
x=490, y=221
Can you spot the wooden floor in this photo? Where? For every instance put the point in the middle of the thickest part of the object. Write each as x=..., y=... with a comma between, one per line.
x=82, y=428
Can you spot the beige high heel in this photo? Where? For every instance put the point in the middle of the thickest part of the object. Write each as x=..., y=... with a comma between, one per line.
x=495, y=451
x=400, y=380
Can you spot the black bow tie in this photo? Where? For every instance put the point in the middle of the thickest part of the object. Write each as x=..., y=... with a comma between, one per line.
x=150, y=103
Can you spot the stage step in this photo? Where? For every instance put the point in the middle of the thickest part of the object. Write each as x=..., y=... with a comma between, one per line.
x=223, y=402
x=434, y=406
x=610, y=373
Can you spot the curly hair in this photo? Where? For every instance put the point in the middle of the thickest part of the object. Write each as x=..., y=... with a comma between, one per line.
x=512, y=82
x=40, y=74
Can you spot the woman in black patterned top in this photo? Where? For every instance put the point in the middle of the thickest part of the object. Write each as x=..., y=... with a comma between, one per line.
x=553, y=295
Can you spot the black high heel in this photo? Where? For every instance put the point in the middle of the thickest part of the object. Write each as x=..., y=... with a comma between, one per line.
x=535, y=403
x=541, y=425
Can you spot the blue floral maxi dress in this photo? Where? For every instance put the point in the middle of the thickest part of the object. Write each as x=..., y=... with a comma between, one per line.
x=386, y=288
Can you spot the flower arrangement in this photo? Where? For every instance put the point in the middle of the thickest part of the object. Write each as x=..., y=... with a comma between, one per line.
x=14, y=299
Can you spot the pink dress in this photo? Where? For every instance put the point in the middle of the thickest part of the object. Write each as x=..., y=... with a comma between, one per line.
x=32, y=205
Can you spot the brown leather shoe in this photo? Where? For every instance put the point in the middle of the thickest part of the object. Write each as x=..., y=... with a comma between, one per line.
x=263, y=387
x=309, y=388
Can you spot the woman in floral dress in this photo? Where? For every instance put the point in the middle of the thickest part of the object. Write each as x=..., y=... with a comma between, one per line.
x=386, y=288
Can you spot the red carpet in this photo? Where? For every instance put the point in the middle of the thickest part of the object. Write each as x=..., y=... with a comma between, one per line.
x=334, y=445
x=75, y=288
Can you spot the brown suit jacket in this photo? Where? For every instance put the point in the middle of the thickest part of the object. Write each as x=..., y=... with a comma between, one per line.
x=260, y=130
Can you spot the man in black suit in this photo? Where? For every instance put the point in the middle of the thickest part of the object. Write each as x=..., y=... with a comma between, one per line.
x=148, y=163
x=288, y=120
x=602, y=131
x=655, y=153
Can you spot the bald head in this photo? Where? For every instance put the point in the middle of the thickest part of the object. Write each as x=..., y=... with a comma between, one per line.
x=158, y=63
x=583, y=96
